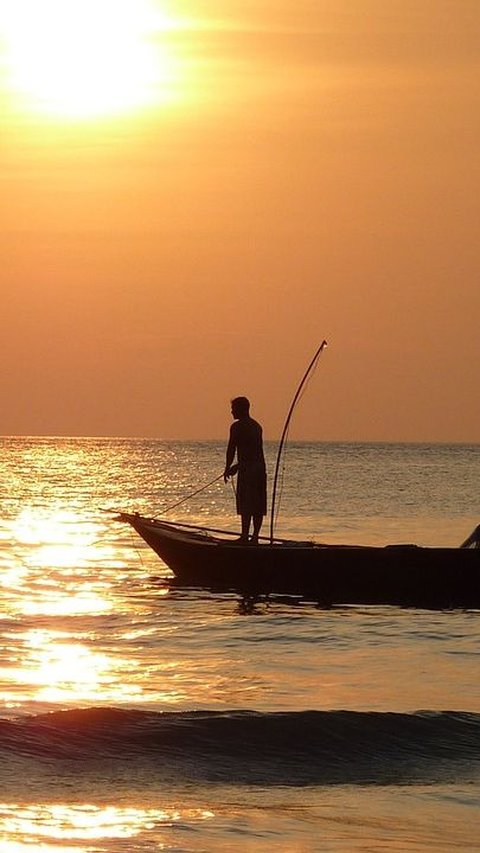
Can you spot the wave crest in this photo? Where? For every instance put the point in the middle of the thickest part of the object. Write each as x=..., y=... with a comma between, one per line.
x=284, y=748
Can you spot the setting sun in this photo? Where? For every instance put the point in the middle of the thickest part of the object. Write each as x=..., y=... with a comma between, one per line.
x=87, y=58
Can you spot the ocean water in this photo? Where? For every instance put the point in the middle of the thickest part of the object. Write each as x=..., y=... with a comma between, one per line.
x=140, y=717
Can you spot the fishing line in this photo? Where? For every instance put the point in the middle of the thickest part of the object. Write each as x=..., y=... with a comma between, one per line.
x=192, y=494
x=282, y=479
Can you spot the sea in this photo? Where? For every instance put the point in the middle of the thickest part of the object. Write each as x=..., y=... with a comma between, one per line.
x=137, y=716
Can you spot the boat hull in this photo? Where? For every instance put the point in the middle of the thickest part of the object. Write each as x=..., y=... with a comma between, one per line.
x=402, y=575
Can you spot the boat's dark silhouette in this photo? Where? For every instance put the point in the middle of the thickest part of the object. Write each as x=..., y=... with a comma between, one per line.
x=402, y=575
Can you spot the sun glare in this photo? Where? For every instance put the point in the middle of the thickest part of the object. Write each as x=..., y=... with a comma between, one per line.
x=87, y=58
x=63, y=822
x=57, y=671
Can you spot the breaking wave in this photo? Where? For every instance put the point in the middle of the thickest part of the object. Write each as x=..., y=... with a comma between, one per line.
x=245, y=747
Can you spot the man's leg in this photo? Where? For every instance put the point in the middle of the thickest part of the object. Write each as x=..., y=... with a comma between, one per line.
x=246, y=518
x=257, y=526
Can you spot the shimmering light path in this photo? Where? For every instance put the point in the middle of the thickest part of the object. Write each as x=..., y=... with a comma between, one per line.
x=89, y=626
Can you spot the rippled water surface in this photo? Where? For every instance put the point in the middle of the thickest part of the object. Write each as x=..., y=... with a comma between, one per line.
x=140, y=717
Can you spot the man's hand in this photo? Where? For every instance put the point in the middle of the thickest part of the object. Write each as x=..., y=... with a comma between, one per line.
x=229, y=472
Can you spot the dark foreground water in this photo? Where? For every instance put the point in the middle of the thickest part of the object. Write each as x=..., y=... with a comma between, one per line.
x=136, y=717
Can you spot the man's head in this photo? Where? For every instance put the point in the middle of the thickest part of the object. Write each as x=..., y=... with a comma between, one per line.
x=240, y=407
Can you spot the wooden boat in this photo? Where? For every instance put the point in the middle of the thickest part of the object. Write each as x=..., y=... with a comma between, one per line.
x=403, y=575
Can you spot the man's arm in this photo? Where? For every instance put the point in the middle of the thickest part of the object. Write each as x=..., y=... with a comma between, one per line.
x=230, y=456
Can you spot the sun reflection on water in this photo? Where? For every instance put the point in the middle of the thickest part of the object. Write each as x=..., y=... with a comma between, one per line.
x=52, y=574
x=62, y=539
x=56, y=670
x=55, y=603
x=39, y=824
x=80, y=625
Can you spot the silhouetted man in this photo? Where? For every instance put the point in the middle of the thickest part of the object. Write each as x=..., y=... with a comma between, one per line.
x=247, y=443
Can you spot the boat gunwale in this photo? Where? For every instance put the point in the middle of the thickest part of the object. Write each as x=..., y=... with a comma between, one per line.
x=197, y=535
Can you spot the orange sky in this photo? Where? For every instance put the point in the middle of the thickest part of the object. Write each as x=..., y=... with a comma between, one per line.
x=283, y=172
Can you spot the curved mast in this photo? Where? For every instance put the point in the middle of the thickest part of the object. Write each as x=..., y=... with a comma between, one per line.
x=285, y=431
